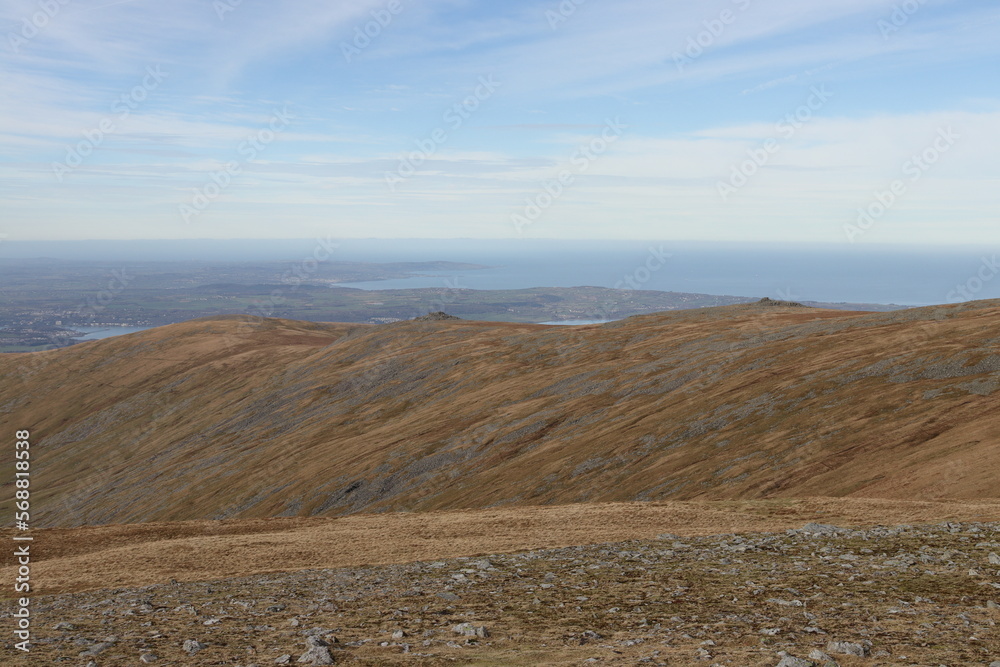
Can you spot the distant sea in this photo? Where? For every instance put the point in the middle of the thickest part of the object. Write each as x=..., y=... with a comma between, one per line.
x=861, y=273
x=913, y=276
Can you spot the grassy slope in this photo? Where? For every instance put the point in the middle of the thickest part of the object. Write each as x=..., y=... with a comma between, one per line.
x=94, y=557
x=215, y=419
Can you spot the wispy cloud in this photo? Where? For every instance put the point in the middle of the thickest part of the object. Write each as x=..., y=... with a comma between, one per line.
x=354, y=121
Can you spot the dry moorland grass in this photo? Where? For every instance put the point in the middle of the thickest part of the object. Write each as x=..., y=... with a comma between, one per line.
x=81, y=559
x=216, y=419
x=270, y=464
x=822, y=595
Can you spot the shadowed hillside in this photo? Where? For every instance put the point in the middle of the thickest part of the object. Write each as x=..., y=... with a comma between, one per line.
x=220, y=418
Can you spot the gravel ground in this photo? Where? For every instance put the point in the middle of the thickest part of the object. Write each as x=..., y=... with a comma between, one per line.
x=819, y=595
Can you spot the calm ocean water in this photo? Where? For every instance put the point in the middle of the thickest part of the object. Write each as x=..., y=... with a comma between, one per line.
x=835, y=273
x=912, y=276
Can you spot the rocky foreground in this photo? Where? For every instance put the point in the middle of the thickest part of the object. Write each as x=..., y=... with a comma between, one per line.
x=820, y=595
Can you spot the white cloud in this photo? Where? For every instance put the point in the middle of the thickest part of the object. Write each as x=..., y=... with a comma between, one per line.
x=354, y=120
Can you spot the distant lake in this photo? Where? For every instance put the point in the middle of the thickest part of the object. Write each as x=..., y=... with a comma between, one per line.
x=95, y=333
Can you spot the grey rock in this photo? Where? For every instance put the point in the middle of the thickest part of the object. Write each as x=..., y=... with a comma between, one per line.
x=990, y=604
x=819, y=529
x=820, y=656
x=316, y=641
x=63, y=626
x=147, y=658
x=398, y=634
x=192, y=646
x=450, y=597
x=317, y=655
x=96, y=649
x=786, y=603
x=994, y=559
x=435, y=316
x=792, y=661
x=317, y=631
x=470, y=630
x=848, y=648
x=283, y=659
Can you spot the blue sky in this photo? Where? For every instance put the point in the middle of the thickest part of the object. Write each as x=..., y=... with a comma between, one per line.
x=848, y=122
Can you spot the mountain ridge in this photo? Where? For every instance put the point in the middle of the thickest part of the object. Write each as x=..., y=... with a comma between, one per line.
x=225, y=417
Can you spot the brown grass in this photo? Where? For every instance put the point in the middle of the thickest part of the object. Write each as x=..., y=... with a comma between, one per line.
x=74, y=560
x=214, y=419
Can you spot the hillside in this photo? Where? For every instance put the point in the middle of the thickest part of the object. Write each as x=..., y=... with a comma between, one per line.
x=220, y=418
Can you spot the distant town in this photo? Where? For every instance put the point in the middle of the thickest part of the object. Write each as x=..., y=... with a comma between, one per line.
x=45, y=300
